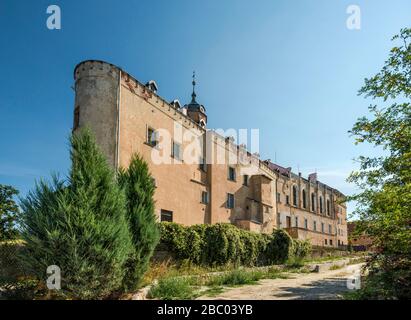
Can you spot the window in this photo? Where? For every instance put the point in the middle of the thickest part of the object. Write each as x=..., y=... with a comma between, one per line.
x=296, y=222
x=166, y=215
x=76, y=118
x=329, y=229
x=231, y=173
x=176, y=152
x=230, y=201
x=328, y=207
x=322, y=227
x=278, y=197
x=151, y=137
x=287, y=199
x=245, y=180
x=315, y=225
x=202, y=165
x=312, y=202
x=331, y=242
x=321, y=204
x=306, y=224
x=295, y=196
x=204, y=197
x=325, y=241
x=304, y=200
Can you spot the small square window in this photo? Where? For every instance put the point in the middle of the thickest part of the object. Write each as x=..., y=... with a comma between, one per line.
x=245, y=180
x=306, y=224
x=230, y=201
x=204, y=197
x=231, y=173
x=166, y=215
x=315, y=225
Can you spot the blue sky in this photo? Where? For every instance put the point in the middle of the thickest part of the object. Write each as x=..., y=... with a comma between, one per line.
x=289, y=68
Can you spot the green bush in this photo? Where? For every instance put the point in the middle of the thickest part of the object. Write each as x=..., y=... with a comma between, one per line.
x=279, y=248
x=79, y=225
x=139, y=189
x=222, y=244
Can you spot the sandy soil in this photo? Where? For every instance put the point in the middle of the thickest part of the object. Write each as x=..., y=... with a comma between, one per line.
x=327, y=285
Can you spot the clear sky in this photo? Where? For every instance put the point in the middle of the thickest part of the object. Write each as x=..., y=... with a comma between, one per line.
x=291, y=69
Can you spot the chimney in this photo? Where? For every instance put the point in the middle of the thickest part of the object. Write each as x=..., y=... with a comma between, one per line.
x=312, y=177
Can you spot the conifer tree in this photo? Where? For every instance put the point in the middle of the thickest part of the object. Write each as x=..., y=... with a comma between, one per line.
x=79, y=225
x=139, y=188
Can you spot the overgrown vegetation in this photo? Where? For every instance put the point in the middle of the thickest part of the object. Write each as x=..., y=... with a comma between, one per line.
x=385, y=201
x=189, y=287
x=222, y=244
x=172, y=289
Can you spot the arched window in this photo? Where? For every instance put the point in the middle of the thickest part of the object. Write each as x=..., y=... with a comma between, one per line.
x=295, y=195
x=312, y=202
x=304, y=200
x=321, y=204
x=328, y=206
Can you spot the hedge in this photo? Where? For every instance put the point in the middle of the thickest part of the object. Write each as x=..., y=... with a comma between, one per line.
x=223, y=243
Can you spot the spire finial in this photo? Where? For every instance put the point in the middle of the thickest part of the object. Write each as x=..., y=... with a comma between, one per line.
x=193, y=95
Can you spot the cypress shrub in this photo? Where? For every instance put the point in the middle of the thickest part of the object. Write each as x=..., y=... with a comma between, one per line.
x=139, y=188
x=79, y=226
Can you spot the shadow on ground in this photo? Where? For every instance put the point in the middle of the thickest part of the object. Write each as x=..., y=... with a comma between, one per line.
x=326, y=289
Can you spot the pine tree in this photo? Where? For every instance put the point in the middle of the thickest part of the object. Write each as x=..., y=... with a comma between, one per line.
x=79, y=225
x=139, y=188
x=8, y=212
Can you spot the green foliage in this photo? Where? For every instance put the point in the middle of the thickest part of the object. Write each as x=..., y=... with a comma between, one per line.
x=301, y=249
x=384, y=205
x=222, y=244
x=172, y=289
x=139, y=189
x=79, y=225
x=8, y=212
x=280, y=247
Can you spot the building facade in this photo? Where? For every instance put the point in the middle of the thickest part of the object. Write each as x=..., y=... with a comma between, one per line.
x=200, y=175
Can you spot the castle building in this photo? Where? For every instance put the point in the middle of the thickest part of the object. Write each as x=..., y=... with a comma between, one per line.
x=129, y=117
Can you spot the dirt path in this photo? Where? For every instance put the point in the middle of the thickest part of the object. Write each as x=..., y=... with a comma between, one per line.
x=328, y=285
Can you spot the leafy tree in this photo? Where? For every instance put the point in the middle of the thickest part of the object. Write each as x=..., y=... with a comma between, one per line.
x=79, y=225
x=385, y=201
x=8, y=212
x=139, y=188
